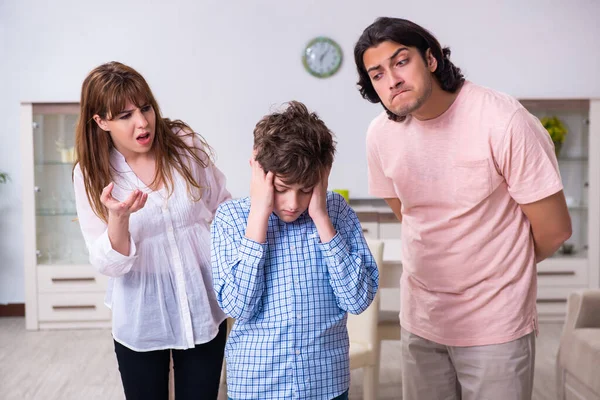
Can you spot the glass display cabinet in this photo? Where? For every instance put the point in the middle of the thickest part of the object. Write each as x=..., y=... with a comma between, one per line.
x=62, y=289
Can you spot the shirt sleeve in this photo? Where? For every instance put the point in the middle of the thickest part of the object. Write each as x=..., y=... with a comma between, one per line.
x=218, y=192
x=379, y=184
x=353, y=273
x=527, y=159
x=212, y=178
x=238, y=265
x=95, y=233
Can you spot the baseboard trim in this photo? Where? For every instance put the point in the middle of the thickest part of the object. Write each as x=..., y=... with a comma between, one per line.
x=12, y=310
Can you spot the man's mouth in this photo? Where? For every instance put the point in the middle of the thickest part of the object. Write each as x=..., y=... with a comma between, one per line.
x=397, y=93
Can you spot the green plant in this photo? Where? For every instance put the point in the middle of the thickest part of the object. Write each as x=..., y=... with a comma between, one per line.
x=4, y=177
x=555, y=128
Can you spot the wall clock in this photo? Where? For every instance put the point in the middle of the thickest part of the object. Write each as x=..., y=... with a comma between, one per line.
x=322, y=57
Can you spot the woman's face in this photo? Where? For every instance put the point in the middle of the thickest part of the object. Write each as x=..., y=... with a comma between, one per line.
x=132, y=130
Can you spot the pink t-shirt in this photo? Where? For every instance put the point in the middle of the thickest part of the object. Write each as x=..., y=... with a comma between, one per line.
x=469, y=273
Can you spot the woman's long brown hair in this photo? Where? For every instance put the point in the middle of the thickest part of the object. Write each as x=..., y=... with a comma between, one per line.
x=105, y=92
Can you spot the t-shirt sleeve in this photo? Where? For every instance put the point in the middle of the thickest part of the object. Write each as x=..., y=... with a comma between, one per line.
x=379, y=184
x=527, y=160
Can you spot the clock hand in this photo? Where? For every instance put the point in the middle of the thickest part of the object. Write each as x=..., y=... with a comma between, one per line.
x=323, y=55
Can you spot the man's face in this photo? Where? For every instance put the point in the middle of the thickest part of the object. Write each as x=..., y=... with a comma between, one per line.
x=402, y=79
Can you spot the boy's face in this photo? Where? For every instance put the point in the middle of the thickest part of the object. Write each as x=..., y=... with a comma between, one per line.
x=290, y=200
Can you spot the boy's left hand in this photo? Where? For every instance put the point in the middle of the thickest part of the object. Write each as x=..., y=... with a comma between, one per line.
x=317, y=208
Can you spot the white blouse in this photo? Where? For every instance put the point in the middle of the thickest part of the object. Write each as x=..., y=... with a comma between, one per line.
x=161, y=294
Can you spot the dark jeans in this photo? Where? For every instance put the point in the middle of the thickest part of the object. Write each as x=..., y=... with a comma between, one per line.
x=145, y=375
x=343, y=396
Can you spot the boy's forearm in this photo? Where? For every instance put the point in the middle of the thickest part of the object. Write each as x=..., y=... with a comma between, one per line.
x=325, y=228
x=258, y=223
x=353, y=274
x=354, y=282
x=240, y=285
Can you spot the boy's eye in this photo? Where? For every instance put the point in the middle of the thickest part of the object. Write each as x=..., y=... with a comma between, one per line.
x=307, y=191
x=279, y=190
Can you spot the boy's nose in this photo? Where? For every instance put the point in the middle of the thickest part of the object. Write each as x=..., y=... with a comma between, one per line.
x=293, y=202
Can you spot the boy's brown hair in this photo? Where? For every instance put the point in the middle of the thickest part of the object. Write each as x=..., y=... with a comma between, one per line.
x=294, y=144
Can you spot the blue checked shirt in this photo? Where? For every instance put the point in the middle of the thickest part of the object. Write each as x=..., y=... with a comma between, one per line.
x=290, y=297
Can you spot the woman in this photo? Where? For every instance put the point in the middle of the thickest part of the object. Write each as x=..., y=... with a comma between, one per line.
x=146, y=190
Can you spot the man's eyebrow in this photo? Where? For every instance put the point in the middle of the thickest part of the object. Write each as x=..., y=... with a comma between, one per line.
x=401, y=49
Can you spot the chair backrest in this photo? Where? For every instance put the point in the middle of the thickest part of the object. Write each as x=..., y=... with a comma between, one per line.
x=362, y=328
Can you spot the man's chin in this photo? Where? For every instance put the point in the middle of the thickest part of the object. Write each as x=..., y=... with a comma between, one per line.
x=405, y=110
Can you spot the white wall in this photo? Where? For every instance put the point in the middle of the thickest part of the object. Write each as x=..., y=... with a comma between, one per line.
x=220, y=67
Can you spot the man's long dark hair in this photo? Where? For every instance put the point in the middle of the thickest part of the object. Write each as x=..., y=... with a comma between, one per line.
x=408, y=33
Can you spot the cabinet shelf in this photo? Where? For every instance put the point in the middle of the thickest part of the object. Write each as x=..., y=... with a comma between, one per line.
x=55, y=213
x=573, y=159
x=578, y=208
x=47, y=163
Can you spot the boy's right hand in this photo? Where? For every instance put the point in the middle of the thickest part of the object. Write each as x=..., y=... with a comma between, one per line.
x=122, y=209
x=261, y=189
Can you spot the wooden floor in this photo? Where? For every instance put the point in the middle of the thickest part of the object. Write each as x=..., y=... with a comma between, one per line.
x=80, y=364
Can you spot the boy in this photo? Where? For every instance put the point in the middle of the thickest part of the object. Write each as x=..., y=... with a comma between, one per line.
x=288, y=263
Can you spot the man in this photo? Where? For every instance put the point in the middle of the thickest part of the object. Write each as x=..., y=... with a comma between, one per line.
x=473, y=177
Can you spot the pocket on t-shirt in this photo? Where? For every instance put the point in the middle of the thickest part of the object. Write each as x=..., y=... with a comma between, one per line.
x=472, y=181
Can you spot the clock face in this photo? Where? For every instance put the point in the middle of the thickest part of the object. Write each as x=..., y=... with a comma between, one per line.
x=322, y=57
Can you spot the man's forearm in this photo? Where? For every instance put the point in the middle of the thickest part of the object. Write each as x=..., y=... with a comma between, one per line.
x=547, y=245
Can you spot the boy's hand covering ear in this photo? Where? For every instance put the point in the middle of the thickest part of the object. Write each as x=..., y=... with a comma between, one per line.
x=261, y=188
x=317, y=207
